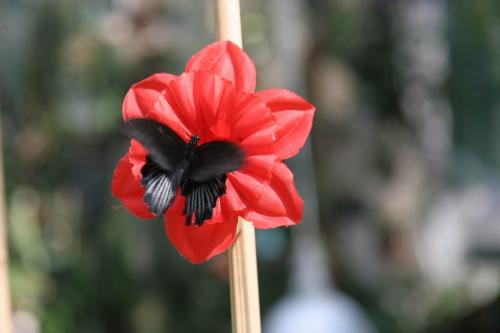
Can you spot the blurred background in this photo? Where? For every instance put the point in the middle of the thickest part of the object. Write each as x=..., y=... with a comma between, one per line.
x=402, y=220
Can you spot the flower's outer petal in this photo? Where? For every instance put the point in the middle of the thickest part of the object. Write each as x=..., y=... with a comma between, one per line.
x=294, y=117
x=142, y=96
x=248, y=182
x=146, y=99
x=231, y=201
x=228, y=61
x=126, y=187
x=279, y=203
x=252, y=123
x=137, y=157
x=199, y=243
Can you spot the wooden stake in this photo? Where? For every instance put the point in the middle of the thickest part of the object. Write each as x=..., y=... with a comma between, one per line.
x=243, y=279
x=5, y=307
x=227, y=21
x=244, y=285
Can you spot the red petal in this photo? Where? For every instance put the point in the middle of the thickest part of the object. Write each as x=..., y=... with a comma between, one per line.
x=231, y=202
x=146, y=99
x=137, y=157
x=199, y=243
x=249, y=181
x=228, y=61
x=128, y=189
x=211, y=108
x=142, y=97
x=279, y=203
x=252, y=124
x=236, y=116
x=293, y=116
x=195, y=98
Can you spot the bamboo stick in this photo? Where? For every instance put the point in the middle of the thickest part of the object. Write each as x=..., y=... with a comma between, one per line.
x=227, y=21
x=243, y=278
x=5, y=306
x=244, y=286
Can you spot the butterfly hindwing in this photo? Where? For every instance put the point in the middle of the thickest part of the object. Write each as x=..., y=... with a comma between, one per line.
x=160, y=187
x=165, y=147
x=213, y=159
x=207, y=178
x=201, y=198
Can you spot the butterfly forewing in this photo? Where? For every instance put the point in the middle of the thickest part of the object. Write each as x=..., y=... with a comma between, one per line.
x=214, y=159
x=165, y=147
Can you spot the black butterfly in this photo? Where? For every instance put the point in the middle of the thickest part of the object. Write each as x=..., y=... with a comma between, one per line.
x=200, y=171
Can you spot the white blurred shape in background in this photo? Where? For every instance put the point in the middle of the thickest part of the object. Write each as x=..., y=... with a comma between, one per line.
x=327, y=312
x=314, y=306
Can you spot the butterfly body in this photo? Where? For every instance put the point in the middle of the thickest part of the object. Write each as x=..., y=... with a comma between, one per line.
x=200, y=171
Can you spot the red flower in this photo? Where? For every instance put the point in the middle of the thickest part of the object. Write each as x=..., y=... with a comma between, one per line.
x=215, y=99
